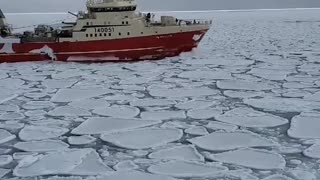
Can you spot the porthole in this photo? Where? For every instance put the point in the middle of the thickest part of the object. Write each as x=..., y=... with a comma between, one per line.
x=100, y=34
x=87, y=35
x=109, y=34
x=127, y=22
x=128, y=33
x=91, y=35
x=87, y=23
x=119, y=33
x=141, y=32
x=95, y=35
x=105, y=34
x=122, y=22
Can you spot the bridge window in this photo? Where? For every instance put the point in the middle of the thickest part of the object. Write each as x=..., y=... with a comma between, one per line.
x=115, y=9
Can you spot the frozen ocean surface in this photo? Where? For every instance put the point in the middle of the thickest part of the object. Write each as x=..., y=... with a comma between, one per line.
x=245, y=105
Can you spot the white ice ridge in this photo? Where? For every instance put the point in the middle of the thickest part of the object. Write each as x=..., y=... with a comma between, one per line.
x=305, y=126
x=106, y=125
x=248, y=117
x=223, y=141
x=69, y=95
x=32, y=133
x=5, y=160
x=182, y=153
x=6, y=136
x=68, y=162
x=182, y=169
x=143, y=138
x=251, y=158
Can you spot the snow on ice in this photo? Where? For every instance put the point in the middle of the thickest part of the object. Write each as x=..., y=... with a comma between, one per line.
x=305, y=126
x=33, y=133
x=41, y=146
x=182, y=153
x=6, y=136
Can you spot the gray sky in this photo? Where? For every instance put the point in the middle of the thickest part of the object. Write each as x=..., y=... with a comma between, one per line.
x=162, y=5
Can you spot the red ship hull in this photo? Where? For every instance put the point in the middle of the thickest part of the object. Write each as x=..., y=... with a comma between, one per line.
x=129, y=49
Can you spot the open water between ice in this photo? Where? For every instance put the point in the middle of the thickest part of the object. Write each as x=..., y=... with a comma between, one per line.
x=244, y=106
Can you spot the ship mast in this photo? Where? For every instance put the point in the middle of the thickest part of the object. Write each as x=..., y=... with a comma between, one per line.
x=4, y=28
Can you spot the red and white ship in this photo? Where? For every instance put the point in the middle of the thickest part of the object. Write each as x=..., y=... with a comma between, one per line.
x=110, y=30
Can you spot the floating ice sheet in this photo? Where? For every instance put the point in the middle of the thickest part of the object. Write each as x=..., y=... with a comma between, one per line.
x=282, y=104
x=143, y=138
x=90, y=104
x=69, y=95
x=252, y=158
x=277, y=177
x=182, y=92
x=126, y=112
x=313, y=151
x=41, y=146
x=183, y=169
x=195, y=104
x=223, y=141
x=69, y=162
x=152, y=102
x=81, y=140
x=305, y=126
x=134, y=175
x=69, y=111
x=216, y=125
x=197, y=131
x=5, y=160
x=217, y=74
x=11, y=116
x=182, y=153
x=163, y=115
x=110, y=125
x=248, y=117
x=244, y=85
x=36, y=105
x=6, y=136
x=33, y=133
x=243, y=94
x=203, y=113
x=125, y=166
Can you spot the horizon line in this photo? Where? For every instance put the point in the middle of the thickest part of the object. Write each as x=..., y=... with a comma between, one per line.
x=194, y=11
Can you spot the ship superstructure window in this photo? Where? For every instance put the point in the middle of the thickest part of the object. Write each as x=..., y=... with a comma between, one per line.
x=119, y=33
x=109, y=34
x=122, y=22
x=95, y=35
x=100, y=34
x=87, y=23
x=91, y=35
x=105, y=34
x=127, y=22
x=128, y=33
x=87, y=35
x=114, y=9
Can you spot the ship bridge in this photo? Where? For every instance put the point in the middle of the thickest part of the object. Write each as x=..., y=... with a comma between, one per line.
x=99, y=6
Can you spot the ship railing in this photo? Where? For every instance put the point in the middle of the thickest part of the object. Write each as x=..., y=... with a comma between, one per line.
x=191, y=22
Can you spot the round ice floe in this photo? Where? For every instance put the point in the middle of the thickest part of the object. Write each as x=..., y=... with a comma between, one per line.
x=282, y=104
x=203, y=113
x=41, y=146
x=37, y=105
x=126, y=112
x=183, y=153
x=69, y=95
x=243, y=94
x=248, y=117
x=200, y=74
x=251, y=158
x=90, y=104
x=277, y=177
x=197, y=130
x=216, y=125
x=33, y=133
x=305, y=126
x=195, y=104
x=4, y=172
x=143, y=138
x=133, y=175
x=125, y=166
x=6, y=136
x=5, y=160
x=223, y=141
x=81, y=140
x=244, y=85
x=69, y=162
x=69, y=111
x=35, y=95
x=110, y=125
x=183, y=92
x=152, y=102
x=313, y=151
x=11, y=116
x=184, y=169
x=163, y=115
